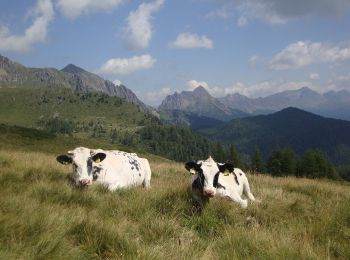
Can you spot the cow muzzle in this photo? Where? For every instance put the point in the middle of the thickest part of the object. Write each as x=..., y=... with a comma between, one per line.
x=209, y=193
x=84, y=182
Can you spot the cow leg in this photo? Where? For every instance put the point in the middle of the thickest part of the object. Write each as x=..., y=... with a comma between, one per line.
x=148, y=174
x=235, y=197
x=246, y=190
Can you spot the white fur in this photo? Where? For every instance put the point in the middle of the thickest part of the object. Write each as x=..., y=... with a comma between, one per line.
x=232, y=190
x=118, y=170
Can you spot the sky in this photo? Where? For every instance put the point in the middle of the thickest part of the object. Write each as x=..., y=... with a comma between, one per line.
x=158, y=47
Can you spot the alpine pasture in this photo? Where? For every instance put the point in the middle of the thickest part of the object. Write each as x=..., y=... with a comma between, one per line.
x=42, y=216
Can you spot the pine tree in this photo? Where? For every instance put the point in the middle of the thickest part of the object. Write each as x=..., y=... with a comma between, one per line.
x=289, y=162
x=219, y=153
x=257, y=164
x=234, y=157
x=315, y=165
x=274, y=164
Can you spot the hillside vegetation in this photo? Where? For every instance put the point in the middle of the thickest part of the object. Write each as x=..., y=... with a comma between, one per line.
x=43, y=217
x=94, y=115
x=290, y=128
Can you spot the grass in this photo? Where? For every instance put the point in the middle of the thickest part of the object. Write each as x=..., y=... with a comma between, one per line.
x=43, y=217
x=27, y=106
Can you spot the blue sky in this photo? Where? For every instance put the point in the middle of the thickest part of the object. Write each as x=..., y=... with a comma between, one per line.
x=157, y=47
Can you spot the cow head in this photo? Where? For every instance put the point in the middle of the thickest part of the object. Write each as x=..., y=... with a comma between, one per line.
x=207, y=174
x=82, y=160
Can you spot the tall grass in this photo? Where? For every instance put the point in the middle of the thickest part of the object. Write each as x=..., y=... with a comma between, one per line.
x=43, y=217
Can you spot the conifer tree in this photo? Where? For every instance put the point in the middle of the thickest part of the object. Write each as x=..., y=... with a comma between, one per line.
x=233, y=156
x=257, y=164
x=274, y=164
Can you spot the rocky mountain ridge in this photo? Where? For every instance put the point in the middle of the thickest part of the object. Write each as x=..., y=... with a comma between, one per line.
x=71, y=76
x=201, y=103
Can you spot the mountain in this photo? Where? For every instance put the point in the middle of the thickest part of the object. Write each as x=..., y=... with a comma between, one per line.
x=15, y=74
x=199, y=102
x=83, y=80
x=187, y=119
x=331, y=104
x=71, y=76
x=290, y=127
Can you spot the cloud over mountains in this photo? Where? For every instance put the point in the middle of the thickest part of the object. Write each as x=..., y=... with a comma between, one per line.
x=123, y=66
x=43, y=14
x=138, y=31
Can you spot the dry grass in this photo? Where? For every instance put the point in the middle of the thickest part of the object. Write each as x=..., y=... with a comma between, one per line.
x=43, y=217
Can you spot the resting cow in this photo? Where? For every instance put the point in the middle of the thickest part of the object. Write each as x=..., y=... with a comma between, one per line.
x=212, y=179
x=113, y=169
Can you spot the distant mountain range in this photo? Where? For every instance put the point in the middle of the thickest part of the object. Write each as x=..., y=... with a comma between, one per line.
x=331, y=104
x=290, y=127
x=78, y=79
x=201, y=104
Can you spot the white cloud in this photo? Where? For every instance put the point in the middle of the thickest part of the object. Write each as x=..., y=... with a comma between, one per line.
x=193, y=84
x=300, y=54
x=36, y=33
x=225, y=11
x=263, y=88
x=253, y=60
x=259, y=89
x=74, y=8
x=242, y=21
x=138, y=31
x=154, y=98
x=314, y=76
x=120, y=66
x=189, y=41
x=343, y=78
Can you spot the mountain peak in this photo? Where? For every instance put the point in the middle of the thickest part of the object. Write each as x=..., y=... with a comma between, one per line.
x=305, y=89
x=201, y=91
x=71, y=68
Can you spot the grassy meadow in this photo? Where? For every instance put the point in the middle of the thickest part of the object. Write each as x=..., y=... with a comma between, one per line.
x=43, y=217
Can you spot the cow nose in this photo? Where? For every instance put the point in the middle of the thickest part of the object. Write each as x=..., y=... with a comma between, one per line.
x=209, y=193
x=84, y=182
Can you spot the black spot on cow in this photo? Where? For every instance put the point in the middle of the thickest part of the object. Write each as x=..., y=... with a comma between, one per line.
x=96, y=172
x=216, y=183
x=89, y=165
x=197, y=184
x=134, y=163
x=236, y=179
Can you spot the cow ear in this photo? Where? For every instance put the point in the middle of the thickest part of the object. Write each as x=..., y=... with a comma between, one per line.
x=64, y=159
x=99, y=157
x=192, y=167
x=226, y=168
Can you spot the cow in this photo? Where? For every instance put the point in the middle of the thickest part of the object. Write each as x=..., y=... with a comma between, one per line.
x=210, y=179
x=113, y=169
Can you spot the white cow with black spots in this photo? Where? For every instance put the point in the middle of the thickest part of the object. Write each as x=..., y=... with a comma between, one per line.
x=113, y=169
x=212, y=179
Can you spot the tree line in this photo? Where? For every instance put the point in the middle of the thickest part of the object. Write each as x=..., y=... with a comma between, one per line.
x=281, y=162
x=181, y=144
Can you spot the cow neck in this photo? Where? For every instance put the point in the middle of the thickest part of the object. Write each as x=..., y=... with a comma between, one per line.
x=216, y=179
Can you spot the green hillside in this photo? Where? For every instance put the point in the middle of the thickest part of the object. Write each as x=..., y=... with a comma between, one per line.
x=43, y=217
x=27, y=107
x=94, y=115
x=291, y=127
